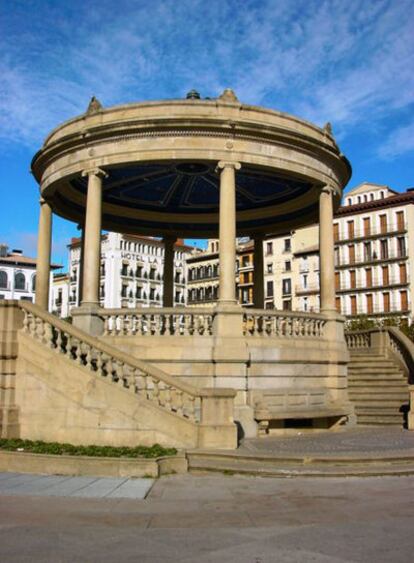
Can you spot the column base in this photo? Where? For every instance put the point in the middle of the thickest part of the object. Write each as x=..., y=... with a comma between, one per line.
x=228, y=320
x=87, y=318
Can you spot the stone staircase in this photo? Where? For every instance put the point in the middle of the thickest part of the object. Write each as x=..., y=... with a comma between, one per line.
x=379, y=390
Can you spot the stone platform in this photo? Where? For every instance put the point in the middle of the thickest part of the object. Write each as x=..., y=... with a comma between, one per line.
x=354, y=452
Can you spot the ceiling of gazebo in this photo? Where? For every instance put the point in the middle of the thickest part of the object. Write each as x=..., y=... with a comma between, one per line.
x=190, y=187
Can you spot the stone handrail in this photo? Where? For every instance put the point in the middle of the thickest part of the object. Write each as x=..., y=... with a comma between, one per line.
x=283, y=324
x=156, y=321
x=357, y=339
x=385, y=341
x=145, y=380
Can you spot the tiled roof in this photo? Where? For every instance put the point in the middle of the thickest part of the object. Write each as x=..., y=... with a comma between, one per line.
x=392, y=201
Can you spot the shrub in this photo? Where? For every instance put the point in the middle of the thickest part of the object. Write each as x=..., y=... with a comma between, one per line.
x=56, y=448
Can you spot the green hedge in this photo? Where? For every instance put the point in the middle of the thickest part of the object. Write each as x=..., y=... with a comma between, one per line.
x=38, y=447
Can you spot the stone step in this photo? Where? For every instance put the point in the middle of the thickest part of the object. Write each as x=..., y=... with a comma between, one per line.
x=367, y=394
x=377, y=381
x=312, y=465
x=379, y=369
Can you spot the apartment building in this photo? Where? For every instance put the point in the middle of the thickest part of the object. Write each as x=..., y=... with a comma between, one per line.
x=374, y=256
x=18, y=274
x=203, y=274
x=132, y=273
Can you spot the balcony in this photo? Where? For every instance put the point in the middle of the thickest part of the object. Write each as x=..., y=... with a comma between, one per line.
x=311, y=288
x=362, y=259
x=375, y=285
x=374, y=231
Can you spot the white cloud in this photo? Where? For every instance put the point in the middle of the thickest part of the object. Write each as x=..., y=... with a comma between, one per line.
x=346, y=62
x=400, y=141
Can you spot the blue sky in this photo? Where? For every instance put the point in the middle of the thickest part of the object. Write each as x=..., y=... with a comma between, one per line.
x=350, y=62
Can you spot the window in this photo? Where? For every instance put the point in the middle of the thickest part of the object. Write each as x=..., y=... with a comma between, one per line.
x=367, y=251
x=287, y=305
x=404, y=300
x=351, y=251
x=336, y=231
x=269, y=288
x=269, y=268
x=367, y=226
x=287, y=245
x=269, y=248
x=245, y=261
x=124, y=270
x=368, y=277
x=124, y=291
x=304, y=281
x=370, y=306
x=349, y=201
x=383, y=224
x=403, y=273
x=401, y=246
x=138, y=293
x=19, y=281
x=359, y=199
x=353, y=305
x=384, y=249
x=338, y=304
x=152, y=294
x=305, y=304
x=337, y=280
x=3, y=280
x=386, y=302
x=371, y=196
x=400, y=220
x=352, y=279
x=288, y=266
x=351, y=229
x=365, y=198
x=385, y=275
x=286, y=286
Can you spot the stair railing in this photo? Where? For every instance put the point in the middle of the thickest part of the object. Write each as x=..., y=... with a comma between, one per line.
x=144, y=380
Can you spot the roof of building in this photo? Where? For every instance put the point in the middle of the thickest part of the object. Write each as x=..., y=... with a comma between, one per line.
x=20, y=260
x=403, y=198
x=75, y=241
x=369, y=186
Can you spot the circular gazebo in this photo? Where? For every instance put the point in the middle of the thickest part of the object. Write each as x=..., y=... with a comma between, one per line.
x=205, y=168
x=199, y=168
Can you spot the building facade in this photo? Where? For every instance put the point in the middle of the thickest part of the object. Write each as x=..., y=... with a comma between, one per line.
x=203, y=274
x=131, y=274
x=374, y=257
x=17, y=274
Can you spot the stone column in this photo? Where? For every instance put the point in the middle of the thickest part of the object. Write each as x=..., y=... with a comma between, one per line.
x=168, y=293
x=81, y=264
x=227, y=232
x=44, y=247
x=258, y=273
x=326, y=251
x=92, y=258
x=87, y=317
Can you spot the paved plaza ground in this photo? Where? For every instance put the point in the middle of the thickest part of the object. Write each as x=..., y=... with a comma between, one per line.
x=191, y=518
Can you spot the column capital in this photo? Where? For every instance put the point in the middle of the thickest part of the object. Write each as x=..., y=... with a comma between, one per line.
x=228, y=164
x=43, y=201
x=94, y=172
x=329, y=189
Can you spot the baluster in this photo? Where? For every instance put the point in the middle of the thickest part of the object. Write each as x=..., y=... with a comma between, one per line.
x=191, y=407
x=100, y=357
x=68, y=351
x=190, y=324
x=88, y=357
x=59, y=341
x=178, y=402
x=25, y=321
x=78, y=352
x=48, y=335
x=109, y=368
x=106, y=326
x=167, y=397
x=186, y=324
x=210, y=324
x=155, y=391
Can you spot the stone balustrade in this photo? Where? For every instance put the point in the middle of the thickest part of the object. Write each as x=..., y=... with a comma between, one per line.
x=154, y=321
x=283, y=324
x=149, y=384
x=358, y=339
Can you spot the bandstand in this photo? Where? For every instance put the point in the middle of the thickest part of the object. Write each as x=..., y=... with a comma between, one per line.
x=207, y=168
